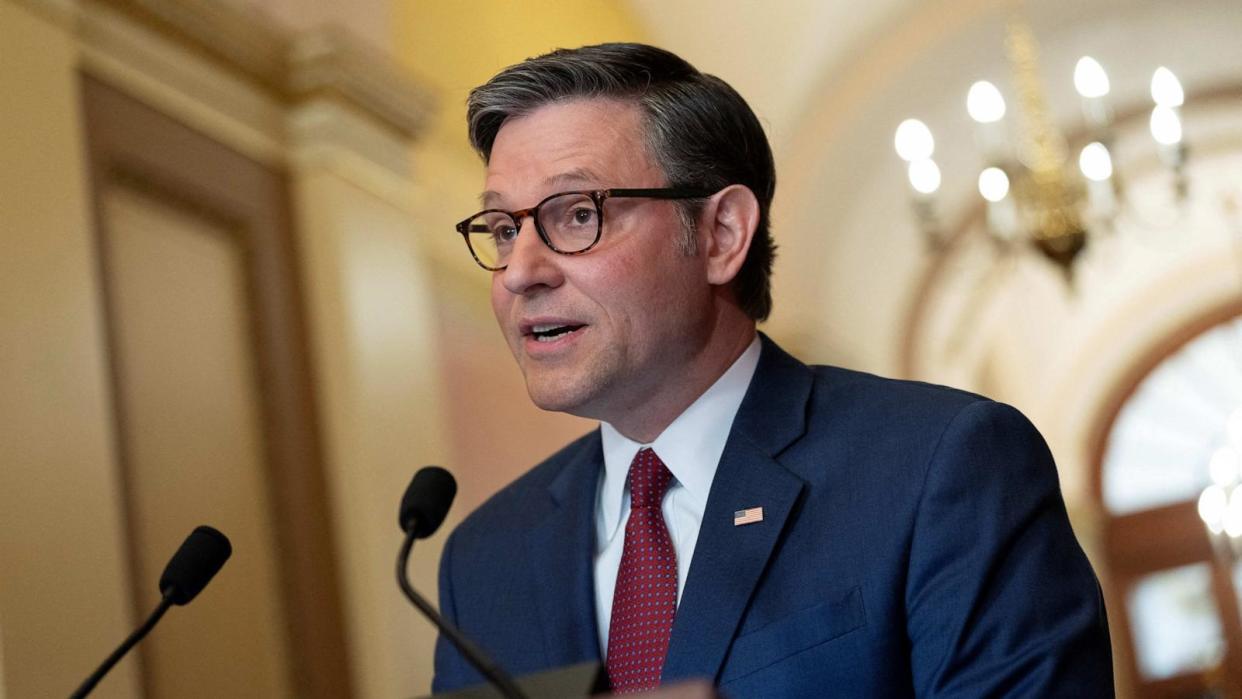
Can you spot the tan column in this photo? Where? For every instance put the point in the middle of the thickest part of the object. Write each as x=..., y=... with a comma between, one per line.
x=372, y=331
x=63, y=589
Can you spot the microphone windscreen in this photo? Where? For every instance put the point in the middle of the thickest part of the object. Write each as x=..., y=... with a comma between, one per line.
x=194, y=564
x=427, y=501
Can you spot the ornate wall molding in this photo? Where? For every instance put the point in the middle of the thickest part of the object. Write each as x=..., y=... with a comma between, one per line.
x=289, y=67
x=330, y=62
x=295, y=67
x=244, y=41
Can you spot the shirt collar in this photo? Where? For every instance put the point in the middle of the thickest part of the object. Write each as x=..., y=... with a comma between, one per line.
x=690, y=446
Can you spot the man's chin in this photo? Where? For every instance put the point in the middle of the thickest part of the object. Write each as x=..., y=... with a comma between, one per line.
x=556, y=396
x=553, y=402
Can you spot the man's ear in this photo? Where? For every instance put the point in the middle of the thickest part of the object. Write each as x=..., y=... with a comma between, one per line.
x=727, y=227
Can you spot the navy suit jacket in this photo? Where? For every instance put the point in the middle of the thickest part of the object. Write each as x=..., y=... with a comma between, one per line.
x=914, y=543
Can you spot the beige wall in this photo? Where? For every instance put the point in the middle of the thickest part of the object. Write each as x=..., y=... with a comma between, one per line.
x=64, y=591
x=65, y=596
x=373, y=327
x=193, y=437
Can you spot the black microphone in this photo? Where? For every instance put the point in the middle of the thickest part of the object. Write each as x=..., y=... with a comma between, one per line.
x=423, y=507
x=193, y=566
x=426, y=501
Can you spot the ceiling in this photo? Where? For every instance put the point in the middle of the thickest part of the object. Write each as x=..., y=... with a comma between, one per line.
x=776, y=55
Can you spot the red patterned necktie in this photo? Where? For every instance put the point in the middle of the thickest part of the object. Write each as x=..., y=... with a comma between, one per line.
x=645, y=598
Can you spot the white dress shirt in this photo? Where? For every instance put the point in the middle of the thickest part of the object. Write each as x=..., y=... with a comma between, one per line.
x=690, y=447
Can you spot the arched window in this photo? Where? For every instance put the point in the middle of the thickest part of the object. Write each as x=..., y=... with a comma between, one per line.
x=1174, y=599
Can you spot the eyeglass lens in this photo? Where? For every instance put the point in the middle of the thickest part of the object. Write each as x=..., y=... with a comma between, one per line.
x=570, y=221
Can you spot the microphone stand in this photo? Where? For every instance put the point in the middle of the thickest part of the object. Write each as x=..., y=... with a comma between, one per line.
x=134, y=638
x=471, y=652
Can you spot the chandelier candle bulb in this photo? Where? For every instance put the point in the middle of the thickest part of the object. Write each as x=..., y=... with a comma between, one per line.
x=993, y=184
x=1220, y=503
x=914, y=141
x=1001, y=212
x=1166, y=129
x=1095, y=162
x=914, y=144
x=1233, y=515
x=986, y=108
x=924, y=176
x=1096, y=165
x=1090, y=80
x=1091, y=83
x=1213, y=502
x=984, y=103
x=1166, y=89
x=1166, y=125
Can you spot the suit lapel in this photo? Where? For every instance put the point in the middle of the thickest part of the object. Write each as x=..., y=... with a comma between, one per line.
x=559, y=554
x=729, y=560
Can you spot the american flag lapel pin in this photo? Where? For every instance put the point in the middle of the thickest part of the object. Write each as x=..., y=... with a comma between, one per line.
x=748, y=516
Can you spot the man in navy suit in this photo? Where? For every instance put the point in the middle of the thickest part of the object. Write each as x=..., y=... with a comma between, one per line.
x=779, y=529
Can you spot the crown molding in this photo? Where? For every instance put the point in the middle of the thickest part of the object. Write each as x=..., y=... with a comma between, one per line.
x=328, y=61
x=295, y=68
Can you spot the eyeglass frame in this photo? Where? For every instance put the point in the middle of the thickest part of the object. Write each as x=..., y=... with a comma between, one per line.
x=598, y=197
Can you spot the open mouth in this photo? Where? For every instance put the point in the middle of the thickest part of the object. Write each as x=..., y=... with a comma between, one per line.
x=551, y=333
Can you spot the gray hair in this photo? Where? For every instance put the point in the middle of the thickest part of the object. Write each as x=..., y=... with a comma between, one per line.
x=698, y=129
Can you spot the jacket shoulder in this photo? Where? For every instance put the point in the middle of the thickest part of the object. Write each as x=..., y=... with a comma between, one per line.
x=787, y=395
x=865, y=393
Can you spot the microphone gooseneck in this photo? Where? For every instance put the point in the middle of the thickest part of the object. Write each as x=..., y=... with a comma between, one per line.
x=194, y=564
x=128, y=643
x=423, y=508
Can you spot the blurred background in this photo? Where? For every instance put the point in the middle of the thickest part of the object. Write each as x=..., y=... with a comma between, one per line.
x=231, y=293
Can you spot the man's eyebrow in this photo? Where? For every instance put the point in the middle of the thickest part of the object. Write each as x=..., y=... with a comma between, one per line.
x=579, y=175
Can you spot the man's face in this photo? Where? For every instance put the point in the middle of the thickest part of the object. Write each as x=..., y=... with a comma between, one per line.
x=608, y=332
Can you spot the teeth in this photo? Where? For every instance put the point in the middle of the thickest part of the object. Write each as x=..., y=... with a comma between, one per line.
x=548, y=333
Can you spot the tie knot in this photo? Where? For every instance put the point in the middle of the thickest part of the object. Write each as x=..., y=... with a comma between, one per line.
x=649, y=478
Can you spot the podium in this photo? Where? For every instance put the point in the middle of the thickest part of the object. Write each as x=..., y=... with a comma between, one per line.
x=582, y=680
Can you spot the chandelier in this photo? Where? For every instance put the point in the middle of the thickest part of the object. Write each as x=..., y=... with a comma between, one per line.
x=1034, y=192
x=1220, y=508
x=1220, y=504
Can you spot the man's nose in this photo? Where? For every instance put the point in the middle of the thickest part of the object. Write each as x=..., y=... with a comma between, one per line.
x=531, y=263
